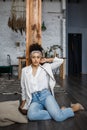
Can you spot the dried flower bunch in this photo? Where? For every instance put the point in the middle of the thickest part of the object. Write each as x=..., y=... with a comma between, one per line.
x=17, y=20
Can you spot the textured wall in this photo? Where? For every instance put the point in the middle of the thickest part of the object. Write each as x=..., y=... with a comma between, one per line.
x=51, y=15
x=8, y=37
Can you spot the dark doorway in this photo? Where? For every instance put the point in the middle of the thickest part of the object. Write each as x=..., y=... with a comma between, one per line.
x=74, y=54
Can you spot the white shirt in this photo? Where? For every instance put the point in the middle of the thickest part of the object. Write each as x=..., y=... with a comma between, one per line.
x=42, y=81
x=39, y=81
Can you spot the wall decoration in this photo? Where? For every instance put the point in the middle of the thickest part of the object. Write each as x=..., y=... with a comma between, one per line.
x=17, y=19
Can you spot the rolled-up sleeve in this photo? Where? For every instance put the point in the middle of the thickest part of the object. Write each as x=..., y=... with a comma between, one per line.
x=56, y=63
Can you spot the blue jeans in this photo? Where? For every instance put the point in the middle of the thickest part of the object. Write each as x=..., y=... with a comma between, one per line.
x=44, y=106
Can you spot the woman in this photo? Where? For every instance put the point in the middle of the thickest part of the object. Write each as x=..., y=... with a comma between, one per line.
x=37, y=83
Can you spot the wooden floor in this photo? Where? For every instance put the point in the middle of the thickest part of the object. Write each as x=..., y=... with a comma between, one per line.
x=74, y=89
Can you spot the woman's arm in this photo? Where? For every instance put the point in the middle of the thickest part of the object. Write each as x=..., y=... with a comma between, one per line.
x=23, y=111
x=22, y=103
x=55, y=62
x=47, y=60
x=23, y=90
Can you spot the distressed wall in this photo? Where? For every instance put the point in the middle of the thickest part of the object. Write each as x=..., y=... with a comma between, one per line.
x=52, y=15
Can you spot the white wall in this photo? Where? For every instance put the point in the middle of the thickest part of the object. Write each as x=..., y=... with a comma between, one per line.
x=54, y=34
x=8, y=37
x=53, y=17
x=50, y=13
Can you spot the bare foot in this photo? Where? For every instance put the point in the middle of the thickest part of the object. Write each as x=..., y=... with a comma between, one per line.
x=77, y=107
x=63, y=107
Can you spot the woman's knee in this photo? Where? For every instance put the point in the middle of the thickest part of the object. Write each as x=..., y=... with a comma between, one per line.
x=30, y=115
x=32, y=112
x=58, y=118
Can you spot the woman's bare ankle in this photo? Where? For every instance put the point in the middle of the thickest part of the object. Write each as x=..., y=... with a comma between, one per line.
x=63, y=107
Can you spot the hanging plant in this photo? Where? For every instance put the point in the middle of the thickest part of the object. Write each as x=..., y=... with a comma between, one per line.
x=43, y=26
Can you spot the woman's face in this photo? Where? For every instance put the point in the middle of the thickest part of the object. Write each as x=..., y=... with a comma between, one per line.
x=36, y=58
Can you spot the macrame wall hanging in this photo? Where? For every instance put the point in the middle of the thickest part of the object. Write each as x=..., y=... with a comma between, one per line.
x=17, y=19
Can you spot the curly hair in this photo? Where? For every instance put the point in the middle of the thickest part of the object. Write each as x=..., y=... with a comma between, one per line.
x=35, y=47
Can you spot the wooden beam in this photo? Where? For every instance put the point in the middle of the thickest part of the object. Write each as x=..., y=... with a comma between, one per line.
x=33, y=24
x=39, y=21
x=27, y=29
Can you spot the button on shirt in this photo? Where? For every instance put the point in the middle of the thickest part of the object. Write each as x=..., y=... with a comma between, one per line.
x=39, y=81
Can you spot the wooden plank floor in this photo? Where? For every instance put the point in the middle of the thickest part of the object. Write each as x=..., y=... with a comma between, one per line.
x=75, y=90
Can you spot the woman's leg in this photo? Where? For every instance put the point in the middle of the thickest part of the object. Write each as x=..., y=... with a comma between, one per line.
x=55, y=111
x=36, y=112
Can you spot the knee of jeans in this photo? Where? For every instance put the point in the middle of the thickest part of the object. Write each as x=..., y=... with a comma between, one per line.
x=30, y=115
x=58, y=118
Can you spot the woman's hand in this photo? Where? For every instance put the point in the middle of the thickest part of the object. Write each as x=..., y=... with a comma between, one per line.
x=23, y=111
x=43, y=60
x=22, y=104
